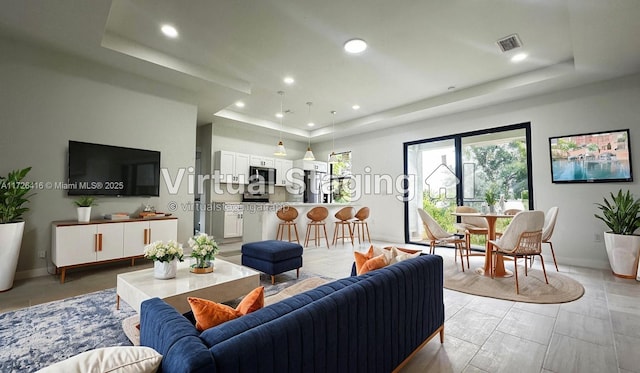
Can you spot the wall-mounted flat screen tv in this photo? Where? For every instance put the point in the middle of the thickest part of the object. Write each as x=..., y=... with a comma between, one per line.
x=597, y=157
x=96, y=169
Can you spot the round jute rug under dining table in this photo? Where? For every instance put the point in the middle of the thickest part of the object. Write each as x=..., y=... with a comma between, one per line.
x=533, y=288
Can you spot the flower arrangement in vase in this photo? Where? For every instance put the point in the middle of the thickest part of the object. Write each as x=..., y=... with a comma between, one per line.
x=203, y=249
x=165, y=256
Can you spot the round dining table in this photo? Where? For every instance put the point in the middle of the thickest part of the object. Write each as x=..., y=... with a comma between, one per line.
x=499, y=270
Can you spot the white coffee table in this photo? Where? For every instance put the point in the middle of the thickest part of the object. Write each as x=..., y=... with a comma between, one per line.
x=228, y=281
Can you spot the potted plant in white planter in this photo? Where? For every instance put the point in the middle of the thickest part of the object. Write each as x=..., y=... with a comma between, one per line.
x=13, y=197
x=622, y=216
x=84, y=204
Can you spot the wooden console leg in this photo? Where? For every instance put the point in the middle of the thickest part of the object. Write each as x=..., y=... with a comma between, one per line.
x=63, y=272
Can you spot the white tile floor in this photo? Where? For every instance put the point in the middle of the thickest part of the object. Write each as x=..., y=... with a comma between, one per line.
x=600, y=332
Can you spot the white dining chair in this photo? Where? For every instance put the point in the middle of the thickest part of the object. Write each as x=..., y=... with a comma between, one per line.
x=437, y=236
x=550, y=219
x=471, y=225
x=521, y=239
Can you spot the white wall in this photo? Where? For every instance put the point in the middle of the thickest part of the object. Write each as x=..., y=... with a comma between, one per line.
x=47, y=99
x=605, y=106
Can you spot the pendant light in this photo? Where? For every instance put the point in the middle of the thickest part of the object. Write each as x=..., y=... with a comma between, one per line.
x=333, y=158
x=280, y=150
x=308, y=156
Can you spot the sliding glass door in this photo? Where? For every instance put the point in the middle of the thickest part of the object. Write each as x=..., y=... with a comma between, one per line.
x=458, y=169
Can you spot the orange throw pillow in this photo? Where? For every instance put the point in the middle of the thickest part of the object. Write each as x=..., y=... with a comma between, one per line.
x=361, y=258
x=209, y=313
x=366, y=262
x=252, y=302
x=374, y=263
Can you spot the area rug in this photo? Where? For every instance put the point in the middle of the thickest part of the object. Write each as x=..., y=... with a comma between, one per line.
x=533, y=288
x=35, y=337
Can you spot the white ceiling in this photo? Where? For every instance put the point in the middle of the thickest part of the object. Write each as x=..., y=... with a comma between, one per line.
x=241, y=50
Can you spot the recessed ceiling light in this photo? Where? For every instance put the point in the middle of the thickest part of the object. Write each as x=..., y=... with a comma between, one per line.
x=355, y=107
x=289, y=80
x=169, y=31
x=279, y=115
x=240, y=104
x=311, y=124
x=519, y=57
x=355, y=46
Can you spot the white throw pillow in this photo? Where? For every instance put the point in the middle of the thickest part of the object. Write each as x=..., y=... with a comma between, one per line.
x=388, y=254
x=119, y=359
x=399, y=256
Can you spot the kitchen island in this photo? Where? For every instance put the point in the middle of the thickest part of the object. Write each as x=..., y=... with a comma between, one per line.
x=261, y=222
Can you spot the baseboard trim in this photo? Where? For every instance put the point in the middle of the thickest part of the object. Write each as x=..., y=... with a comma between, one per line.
x=31, y=273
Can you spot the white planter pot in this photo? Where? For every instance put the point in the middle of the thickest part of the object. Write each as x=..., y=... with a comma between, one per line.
x=165, y=270
x=10, y=241
x=623, y=252
x=84, y=214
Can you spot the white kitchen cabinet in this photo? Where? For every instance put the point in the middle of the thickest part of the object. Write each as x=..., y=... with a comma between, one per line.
x=141, y=233
x=79, y=244
x=317, y=166
x=233, y=224
x=233, y=167
x=282, y=166
x=259, y=161
x=227, y=221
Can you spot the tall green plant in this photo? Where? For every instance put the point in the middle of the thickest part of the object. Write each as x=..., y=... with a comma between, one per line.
x=13, y=196
x=622, y=214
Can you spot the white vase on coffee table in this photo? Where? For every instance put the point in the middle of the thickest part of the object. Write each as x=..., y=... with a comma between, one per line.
x=165, y=270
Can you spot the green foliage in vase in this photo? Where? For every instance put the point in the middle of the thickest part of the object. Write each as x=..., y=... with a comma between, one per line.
x=621, y=214
x=491, y=197
x=13, y=196
x=85, y=201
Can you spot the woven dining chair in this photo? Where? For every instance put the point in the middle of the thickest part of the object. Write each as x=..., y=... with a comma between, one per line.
x=550, y=219
x=471, y=225
x=521, y=239
x=511, y=212
x=437, y=236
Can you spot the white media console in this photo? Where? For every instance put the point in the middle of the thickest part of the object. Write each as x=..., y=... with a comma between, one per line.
x=77, y=244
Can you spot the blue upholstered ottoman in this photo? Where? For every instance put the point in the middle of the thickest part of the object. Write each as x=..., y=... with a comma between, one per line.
x=272, y=257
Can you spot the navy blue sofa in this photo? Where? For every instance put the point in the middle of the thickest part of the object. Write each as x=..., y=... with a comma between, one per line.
x=369, y=323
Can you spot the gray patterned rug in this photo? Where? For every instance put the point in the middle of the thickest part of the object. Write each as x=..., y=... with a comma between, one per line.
x=35, y=337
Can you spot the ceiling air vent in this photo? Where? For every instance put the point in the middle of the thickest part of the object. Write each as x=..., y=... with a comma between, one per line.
x=509, y=43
